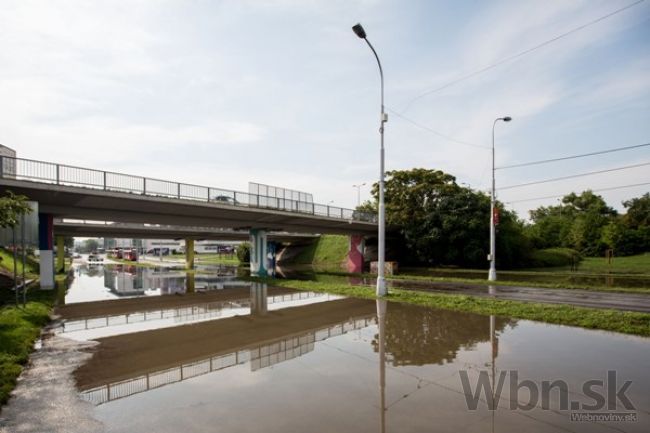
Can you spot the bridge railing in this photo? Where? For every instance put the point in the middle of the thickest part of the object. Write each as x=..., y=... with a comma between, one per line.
x=68, y=175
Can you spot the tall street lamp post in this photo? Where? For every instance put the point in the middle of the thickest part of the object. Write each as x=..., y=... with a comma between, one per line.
x=492, y=276
x=358, y=187
x=381, y=282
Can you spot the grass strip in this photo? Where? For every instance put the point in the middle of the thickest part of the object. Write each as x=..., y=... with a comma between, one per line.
x=481, y=282
x=591, y=318
x=19, y=328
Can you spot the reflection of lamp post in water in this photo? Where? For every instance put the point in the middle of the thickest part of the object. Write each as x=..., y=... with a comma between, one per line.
x=381, y=323
x=494, y=349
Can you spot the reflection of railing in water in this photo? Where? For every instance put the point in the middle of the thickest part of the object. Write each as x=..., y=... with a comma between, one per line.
x=182, y=314
x=259, y=357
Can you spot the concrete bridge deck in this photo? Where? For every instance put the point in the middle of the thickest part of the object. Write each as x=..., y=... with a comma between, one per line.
x=87, y=194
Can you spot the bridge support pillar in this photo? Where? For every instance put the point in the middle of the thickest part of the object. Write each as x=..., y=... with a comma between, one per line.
x=189, y=253
x=46, y=253
x=259, y=298
x=60, y=254
x=259, y=251
x=355, y=254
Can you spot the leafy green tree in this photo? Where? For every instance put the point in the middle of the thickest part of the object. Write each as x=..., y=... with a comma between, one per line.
x=244, y=252
x=89, y=245
x=630, y=233
x=577, y=223
x=638, y=211
x=436, y=221
x=11, y=208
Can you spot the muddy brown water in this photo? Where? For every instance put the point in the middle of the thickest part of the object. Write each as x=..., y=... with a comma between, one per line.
x=248, y=358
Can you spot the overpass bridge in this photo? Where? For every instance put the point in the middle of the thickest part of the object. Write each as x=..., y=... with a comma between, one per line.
x=71, y=192
x=82, y=228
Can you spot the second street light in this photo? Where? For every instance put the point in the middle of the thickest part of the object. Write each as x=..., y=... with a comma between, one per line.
x=492, y=275
x=358, y=187
x=381, y=247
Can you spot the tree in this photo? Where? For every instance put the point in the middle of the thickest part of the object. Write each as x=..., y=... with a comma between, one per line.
x=89, y=245
x=11, y=208
x=243, y=251
x=638, y=212
x=439, y=222
x=630, y=233
x=577, y=223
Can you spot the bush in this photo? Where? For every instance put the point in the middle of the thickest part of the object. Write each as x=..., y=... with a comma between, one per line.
x=554, y=257
x=244, y=252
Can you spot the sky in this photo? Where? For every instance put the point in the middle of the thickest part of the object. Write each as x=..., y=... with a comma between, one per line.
x=220, y=93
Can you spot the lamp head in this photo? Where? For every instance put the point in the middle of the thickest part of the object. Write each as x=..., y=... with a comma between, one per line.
x=359, y=31
x=507, y=119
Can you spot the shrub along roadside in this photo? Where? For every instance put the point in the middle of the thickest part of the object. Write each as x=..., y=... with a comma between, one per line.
x=592, y=318
x=19, y=328
x=554, y=257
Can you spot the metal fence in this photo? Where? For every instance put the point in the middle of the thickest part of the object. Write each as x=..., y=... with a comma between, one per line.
x=187, y=313
x=59, y=174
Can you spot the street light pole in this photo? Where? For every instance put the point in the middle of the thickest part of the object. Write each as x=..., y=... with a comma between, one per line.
x=381, y=282
x=358, y=187
x=492, y=275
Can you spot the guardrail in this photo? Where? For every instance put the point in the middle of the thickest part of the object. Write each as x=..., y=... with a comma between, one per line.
x=67, y=175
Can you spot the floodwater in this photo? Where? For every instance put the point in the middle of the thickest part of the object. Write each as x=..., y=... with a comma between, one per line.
x=222, y=354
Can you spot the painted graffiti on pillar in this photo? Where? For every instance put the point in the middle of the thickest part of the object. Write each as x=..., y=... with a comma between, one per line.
x=355, y=254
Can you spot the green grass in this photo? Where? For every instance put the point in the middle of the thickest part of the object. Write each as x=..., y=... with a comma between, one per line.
x=484, y=282
x=639, y=264
x=19, y=328
x=609, y=320
x=7, y=262
x=326, y=250
x=523, y=283
x=217, y=258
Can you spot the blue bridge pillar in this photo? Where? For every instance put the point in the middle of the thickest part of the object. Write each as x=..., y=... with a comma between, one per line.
x=46, y=249
x=259, y=252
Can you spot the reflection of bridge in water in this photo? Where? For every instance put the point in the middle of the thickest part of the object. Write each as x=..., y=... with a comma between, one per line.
x=193, y=313
x=259, y=357
x=126, y=280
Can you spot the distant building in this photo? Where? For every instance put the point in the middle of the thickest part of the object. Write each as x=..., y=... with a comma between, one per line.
x=8, y=166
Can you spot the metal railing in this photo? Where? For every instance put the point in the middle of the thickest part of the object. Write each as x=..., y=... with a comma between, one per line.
x=189, y=313
x=67, y=175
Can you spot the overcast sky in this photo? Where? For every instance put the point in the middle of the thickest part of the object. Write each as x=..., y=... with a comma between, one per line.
x=282, y=92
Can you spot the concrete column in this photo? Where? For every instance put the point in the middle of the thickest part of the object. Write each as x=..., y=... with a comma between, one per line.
x=60, y=254
x=259, y=251
x=46, y=254
x=355, y=254
x=189, y=253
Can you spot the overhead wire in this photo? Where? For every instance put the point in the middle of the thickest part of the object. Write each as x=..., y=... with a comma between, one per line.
x=564, y=158
x=519, y=54
x=590, y=173
x=593, y=190
x=433, y=131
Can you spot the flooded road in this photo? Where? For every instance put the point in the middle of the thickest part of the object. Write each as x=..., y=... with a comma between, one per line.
x=243, y=357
